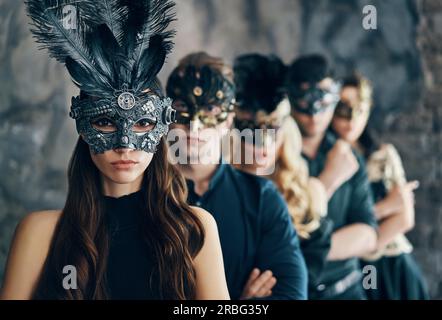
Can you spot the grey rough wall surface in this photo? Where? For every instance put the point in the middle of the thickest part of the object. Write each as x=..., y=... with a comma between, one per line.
x=419, y=136
x=227, y=28
x=35, y=92
x=388, y=56
x=35, y=135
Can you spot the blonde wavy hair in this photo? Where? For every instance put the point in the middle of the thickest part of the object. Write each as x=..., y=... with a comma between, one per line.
x=305, y=196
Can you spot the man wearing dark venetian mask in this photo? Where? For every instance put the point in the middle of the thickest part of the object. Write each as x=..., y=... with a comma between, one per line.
x=261, y=250
x=313, y=95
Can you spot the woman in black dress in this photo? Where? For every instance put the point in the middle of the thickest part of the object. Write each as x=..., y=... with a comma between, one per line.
x=125, y=231
x=398, y=275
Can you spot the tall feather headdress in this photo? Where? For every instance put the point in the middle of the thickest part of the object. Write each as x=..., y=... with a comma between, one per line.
x=113, y=50
x=105, y=44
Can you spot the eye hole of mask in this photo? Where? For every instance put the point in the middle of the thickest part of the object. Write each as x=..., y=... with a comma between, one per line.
x=211, y=110
x=144, y=125
x=104, y=124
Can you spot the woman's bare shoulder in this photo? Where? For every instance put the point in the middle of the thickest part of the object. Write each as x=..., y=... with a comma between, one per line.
x=41, y=219
x=36, y=228
x=38, y=225
x=209, y=265
x=205, y=217
x=28, y=252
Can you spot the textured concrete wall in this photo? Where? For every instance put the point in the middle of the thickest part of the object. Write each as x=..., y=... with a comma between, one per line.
x=387, y=55
x=37, y=137
x=419, y=135
x=227, y=28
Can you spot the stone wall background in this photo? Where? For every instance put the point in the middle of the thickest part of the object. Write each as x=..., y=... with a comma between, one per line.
x=419, y=136
x=403, y=58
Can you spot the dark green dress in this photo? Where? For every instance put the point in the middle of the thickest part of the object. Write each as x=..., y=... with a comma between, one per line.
x=398, y=275
x=399, y=278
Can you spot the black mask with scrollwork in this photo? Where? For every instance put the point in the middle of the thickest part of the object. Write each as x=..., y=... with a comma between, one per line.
x=202, y=93
x=314, y=99
x=151, y=114
x=113, y=54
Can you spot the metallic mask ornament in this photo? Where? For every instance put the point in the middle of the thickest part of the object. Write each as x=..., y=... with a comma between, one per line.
x=314, y=99
x=149, y=113
x=113, y=54
x=201, y=93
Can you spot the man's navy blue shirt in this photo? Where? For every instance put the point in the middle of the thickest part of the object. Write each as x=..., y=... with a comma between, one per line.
x=255, y=230
x=351, y=203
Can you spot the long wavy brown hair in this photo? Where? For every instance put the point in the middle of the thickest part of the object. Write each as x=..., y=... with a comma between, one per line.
x=81, y=239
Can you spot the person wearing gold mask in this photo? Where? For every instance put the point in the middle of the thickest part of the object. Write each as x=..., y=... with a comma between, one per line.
x=261, y=251
x=398, y=275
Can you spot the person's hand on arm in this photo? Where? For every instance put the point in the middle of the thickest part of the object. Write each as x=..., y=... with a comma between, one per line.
x=340, y=166
x=403, y=220
x=29, y=249
x=259, y=285
x=358, y=237
x=355, y=240
x=396, y=200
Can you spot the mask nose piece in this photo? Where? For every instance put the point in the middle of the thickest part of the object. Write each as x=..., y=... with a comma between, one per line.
x=123, y=139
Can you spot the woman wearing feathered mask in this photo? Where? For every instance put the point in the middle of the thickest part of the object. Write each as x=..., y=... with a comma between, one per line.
x=125, y=231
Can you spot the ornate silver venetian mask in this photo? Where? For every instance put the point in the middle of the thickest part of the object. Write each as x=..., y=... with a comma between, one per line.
x=125, y=121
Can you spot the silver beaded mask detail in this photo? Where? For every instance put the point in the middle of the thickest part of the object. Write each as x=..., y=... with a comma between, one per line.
x=113, y=52
x=126, y=121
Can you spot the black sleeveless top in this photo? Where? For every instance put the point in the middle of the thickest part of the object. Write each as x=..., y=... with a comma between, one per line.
x=130, y=266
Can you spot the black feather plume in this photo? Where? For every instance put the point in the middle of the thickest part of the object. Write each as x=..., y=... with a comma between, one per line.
x=115, y=42
x=259, y=81
x=63, y=43
x=112, y=14
x=146, y=32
